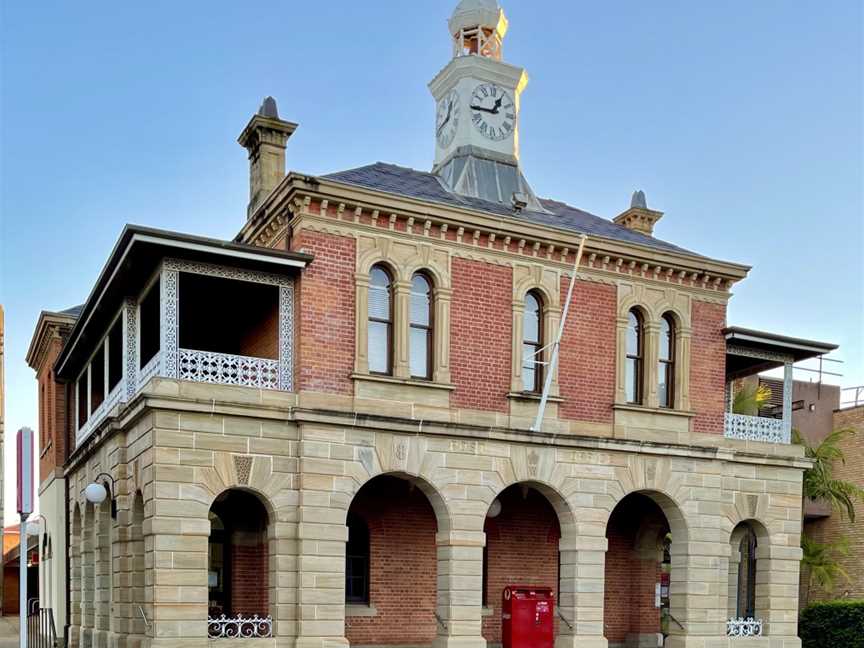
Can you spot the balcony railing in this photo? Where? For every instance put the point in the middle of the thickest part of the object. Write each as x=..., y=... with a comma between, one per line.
x=742, y=627
x=757, y=428
x=239, y=627
x=227, y=369
x=149, y=370
x=115, y=397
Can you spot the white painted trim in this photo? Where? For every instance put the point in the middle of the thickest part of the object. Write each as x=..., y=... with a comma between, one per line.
x=236, y=254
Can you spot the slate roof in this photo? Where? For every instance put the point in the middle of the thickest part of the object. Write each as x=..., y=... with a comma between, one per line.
x=75, y=311
x=423, y=185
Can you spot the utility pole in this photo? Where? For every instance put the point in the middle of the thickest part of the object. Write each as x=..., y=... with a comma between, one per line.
x=24, y=442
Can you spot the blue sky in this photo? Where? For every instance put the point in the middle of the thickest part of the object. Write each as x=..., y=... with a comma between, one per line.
x=741, y=120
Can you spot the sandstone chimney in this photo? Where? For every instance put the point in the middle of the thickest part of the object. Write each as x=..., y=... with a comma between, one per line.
x=265, y=137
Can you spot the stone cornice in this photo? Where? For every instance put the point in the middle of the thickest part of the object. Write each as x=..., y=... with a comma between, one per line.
x=708, y=447
x=348, y=203
x=49, y=327
x=477, y=246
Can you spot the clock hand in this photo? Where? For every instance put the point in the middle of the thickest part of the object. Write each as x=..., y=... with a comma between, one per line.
x=446, y=119
x=488, y=110
x=497, y=105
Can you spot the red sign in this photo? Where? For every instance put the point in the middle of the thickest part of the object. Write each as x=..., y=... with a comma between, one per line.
x=24, y=446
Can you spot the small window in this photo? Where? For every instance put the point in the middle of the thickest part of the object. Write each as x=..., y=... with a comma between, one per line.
x=633, y=362
x=746, y=605
x=149, y=325
x=83, y=414
x=380, y=321
x=357, y=561
x=115, y=354
x=97, y=379
x=532, y=342
x=666, y=363
x=420, y=330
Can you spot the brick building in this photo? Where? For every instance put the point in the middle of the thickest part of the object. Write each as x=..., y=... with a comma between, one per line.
x=320, y=433
x=833, y=528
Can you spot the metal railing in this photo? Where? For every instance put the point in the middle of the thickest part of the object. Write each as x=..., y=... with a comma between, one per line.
x=756, y=428
x=40, y=626
x=239, y=627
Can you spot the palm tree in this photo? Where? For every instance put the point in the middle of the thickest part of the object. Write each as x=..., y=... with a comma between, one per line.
x=749, y=400
x=819, y=482
x=820, y=562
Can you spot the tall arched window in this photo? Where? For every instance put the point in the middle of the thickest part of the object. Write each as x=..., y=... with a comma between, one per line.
x=357, y=561
x=633, y=362
x=666, y=363
x=746, y=606
x=380, y=321
x=420, y=331
x=532, y=342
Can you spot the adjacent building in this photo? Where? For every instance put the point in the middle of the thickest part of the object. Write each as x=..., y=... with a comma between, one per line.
x=322, y=432
x=52, y=329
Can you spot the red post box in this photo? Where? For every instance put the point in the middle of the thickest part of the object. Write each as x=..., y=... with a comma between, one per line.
x=528, y=617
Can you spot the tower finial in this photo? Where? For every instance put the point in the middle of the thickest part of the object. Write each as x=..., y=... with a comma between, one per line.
x=478, y=27
x=638, y=200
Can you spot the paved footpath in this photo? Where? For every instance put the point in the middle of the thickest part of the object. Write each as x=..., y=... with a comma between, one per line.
x=9, y=632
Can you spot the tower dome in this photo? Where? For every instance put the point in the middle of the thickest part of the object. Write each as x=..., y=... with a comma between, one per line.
x=478, y=27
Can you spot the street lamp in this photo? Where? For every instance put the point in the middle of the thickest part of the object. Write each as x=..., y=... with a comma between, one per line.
x=96, y=493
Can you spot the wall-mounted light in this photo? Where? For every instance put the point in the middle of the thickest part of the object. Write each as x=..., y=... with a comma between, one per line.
x=494, y=508
x=97, y=493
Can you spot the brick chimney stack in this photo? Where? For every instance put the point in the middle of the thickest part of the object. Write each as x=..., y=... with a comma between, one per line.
x=265, y=137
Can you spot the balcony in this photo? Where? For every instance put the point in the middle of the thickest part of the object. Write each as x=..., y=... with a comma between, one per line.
x=749, y=353
x=192, y=321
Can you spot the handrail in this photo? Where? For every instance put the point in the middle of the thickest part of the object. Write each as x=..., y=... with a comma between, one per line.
x=564, y=619
x=440, y=620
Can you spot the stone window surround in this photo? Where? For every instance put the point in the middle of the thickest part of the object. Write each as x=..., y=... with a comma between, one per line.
x=402, y=270
x=670, y=303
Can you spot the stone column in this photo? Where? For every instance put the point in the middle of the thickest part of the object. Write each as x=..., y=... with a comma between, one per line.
x=441, y=322
x=583, y=561
x=516, y=357
x=697, y=591
x=650, y=355
x=74, y=583
x=102, y=571
x=777, y=591
x=459, y=595
x=400, y=315
x=88, y=577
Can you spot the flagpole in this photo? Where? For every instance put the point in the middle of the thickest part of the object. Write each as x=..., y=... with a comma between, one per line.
x=550, y=369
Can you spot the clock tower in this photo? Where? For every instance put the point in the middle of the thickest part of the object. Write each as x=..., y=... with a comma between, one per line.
x=477, y=116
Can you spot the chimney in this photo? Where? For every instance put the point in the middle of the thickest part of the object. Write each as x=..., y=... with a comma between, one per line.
x=639, y=218
x=265, y=137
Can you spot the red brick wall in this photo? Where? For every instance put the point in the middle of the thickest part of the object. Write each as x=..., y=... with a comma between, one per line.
x=402, y=528
x=249, y=573
x=586, y=373
x=630, y=579
x=52, y=415
x=261, y=340
x=481, y=325
x=707, y=367
x=325, y=314
x=521, y=549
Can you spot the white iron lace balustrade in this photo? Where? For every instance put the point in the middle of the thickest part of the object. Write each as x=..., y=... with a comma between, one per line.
x=742, y=627
x=239, y=627
x=227, y=369
x=149, y=370
x=116, y=396
x=756, y=428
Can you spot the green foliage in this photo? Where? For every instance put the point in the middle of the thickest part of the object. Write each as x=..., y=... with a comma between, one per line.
x=749, y=400
x=819, y=482
x=835, y=624
x=820, y=563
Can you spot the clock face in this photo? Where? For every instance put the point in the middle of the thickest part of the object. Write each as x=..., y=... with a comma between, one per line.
x=493, y=112
x=447, y=119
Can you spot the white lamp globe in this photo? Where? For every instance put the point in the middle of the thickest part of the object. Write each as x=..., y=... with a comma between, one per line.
x=494, y=508
x=95, y=493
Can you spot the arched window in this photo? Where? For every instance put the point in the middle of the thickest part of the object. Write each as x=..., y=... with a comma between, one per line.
x=746, y=605
x=380, y=321
x=357, y=561
x=633, y=363
x=420, y=332
x=532, y=342
x=666, y=363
